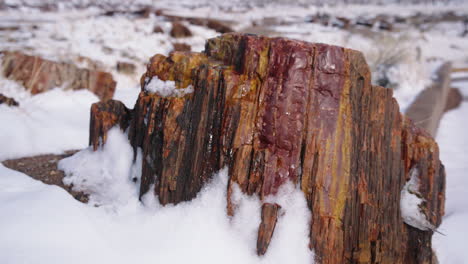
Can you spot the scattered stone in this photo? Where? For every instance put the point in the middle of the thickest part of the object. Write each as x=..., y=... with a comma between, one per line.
x=8, y=101
x=218, y=26
x=144, y=12
x=39, y=75
x=158, y=29
x=158, y=12
x=181, y=47
x=179, y=30
x=275, y=110
x=9, y=28
x=107, y=50
x=126, y=67
x=454, y=99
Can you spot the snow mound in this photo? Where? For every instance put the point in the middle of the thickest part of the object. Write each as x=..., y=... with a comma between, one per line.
x=200, y=229
x=107, y=174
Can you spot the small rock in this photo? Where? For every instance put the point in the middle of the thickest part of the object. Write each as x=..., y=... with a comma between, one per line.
x=158, y=12
x=144, y=12
x=179, y=30
x=158, y=29
x=454, y=99
x=8, y=101
x=181, y=47
x=9, y=28
x=126, y=67
x=218, y=26
x=107, y=50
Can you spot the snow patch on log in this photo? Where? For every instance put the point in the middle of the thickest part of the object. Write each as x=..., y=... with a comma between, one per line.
x=166, y=88
x=411, y=202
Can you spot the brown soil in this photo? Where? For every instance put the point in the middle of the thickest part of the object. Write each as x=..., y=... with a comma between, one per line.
x=44, y=169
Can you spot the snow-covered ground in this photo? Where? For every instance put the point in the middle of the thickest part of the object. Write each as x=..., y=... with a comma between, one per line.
x=453, y=142
x=43, y=224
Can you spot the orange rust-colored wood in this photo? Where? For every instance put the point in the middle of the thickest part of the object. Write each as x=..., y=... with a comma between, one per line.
x=104, y=116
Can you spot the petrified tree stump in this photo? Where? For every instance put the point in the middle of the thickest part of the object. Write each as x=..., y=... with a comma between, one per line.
x=275, y=110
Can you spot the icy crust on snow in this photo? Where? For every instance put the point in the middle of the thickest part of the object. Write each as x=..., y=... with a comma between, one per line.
x=411, y=201
x=165, y=88
x=200, y=229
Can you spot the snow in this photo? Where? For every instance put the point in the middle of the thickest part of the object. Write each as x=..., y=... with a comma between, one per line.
x=166, y=88
x=453, y=144
x=51, y=122
x=411, y=201
x=46, y=225
x=106, y=174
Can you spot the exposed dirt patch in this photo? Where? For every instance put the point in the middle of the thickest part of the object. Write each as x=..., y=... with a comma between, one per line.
x=44, y=169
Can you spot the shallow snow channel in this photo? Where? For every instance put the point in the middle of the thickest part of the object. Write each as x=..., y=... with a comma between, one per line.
x=165, y=88
x=124, y=230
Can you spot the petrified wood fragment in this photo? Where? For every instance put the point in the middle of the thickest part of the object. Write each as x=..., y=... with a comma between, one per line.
x=8, y=101
x=104, y=116
x=39, y=75
x=267, y=226
x=275, y=110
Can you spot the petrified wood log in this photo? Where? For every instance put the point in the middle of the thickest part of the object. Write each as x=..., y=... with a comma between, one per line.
x=39, y=75
x=275, y=110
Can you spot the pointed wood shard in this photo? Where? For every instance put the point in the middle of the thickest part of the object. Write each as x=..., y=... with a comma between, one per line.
x=267, y=226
